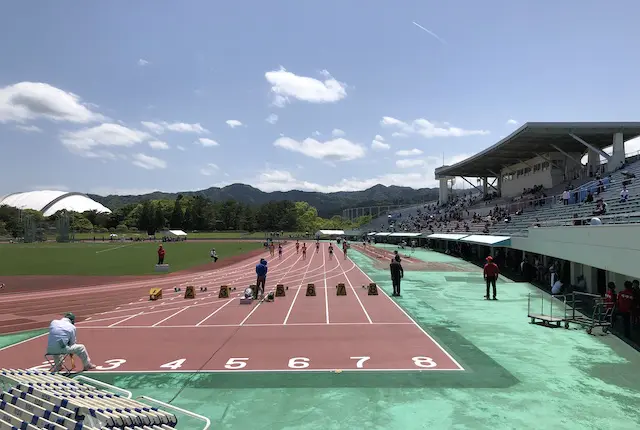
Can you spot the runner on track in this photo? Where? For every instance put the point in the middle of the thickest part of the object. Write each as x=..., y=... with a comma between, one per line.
x=280, y=251
x=304, y=251
x=317, y=246
x=330, y=251
x=261, y=272
x=272, y=249
x=345, y=246
x=297, y=246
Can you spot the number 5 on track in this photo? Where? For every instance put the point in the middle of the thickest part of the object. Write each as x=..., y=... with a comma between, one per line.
x=361, y=361
x=236, y=363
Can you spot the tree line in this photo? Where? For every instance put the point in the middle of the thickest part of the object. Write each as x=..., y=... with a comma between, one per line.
x=188, y=213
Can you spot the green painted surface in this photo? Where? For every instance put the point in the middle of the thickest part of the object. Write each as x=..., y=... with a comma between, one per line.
x=110, y=259
x=518, y=375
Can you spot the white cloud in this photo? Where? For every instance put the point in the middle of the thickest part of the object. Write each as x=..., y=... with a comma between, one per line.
x=398, y=134
x=142, y=62
x=429, y=129
x=32, y=100
x=233, y=123
x=512, y=122
x=378, y=144
x=272, y=119
x=178, y=127
x=409, y=152
x=29, y=128
x=207, y=142
x=316, y=133
x=158, y=144
x=148, y=162
x=181, y=148
x=336, y=149
x=408, y=163
x=209, y=169
x=90, y=142
x=286, y=85
x=337, y=132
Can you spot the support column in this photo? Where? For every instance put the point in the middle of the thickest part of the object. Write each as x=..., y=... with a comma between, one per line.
x=593, y=162
x=485, y=186
x=443, y=196
x=617, y=157
x=499, y=183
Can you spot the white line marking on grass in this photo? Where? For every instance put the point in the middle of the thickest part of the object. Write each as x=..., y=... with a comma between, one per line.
x=114, y=248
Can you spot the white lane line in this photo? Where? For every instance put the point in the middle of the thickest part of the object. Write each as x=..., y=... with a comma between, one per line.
x=354, y=292
x=171, y=316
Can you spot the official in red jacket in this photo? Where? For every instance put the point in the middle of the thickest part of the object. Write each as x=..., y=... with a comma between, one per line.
x=491, y=273
x=625, y=307
x=161, y=253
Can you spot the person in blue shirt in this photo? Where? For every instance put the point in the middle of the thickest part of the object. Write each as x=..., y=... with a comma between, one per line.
x=261, y=272
x=62, y=340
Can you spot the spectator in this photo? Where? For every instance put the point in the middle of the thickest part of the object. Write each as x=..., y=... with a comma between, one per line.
x=624, y=195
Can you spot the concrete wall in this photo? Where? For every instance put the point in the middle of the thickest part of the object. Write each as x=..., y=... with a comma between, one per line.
x=614, y=248
x=548, y=176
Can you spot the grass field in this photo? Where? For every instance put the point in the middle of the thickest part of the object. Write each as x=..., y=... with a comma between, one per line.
x=109, y=259
x=197, y=235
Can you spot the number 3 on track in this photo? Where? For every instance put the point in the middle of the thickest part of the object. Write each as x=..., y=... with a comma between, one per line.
x=424, y=362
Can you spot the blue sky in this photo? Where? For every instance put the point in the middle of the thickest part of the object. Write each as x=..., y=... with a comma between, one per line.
x=130, y=97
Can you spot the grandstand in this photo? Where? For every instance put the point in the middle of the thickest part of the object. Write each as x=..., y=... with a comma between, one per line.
x=533, y=186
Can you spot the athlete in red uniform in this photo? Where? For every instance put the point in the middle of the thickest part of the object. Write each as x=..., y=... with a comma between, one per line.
x=304, y=251
x=610, y=296
x=491, y=273
x=297, y=246
x=625, y=306
x=317, y=246
x=330, y=251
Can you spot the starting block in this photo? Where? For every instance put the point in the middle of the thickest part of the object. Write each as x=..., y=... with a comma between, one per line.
x=224, y=292
x=373, y=289
x=341, y=290
x=280, y=290
x=155, y=293
x=162, y=267
x=190, y=292
x=311, y=290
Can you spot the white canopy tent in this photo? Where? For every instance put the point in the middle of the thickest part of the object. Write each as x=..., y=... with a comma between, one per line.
x=175, y=234
x=330, y=233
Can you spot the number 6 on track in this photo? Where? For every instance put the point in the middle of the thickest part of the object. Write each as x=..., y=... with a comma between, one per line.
x=361, y=360
x=299, y=363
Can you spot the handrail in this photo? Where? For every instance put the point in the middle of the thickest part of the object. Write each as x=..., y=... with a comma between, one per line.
x=127, y=393
x=565, y=221
x=184, y=411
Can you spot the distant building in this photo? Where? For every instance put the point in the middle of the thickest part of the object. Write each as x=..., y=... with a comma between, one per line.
x=49, y=202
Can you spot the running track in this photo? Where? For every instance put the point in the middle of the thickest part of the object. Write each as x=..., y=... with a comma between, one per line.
x=295, y=333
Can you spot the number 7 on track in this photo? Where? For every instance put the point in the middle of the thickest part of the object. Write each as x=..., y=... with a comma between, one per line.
x=361, y=361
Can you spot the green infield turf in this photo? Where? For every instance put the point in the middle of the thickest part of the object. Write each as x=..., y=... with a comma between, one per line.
x=190, y=235
x=110, y=259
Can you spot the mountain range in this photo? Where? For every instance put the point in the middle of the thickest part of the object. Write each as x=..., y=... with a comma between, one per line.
x=327, y=204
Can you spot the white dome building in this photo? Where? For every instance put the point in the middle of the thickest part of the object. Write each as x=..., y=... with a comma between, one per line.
x=49, y=202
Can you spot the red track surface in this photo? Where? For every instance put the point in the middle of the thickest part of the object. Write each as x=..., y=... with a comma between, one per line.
x=296, y=332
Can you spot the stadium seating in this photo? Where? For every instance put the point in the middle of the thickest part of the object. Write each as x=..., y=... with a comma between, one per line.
x=560, y=214
x=42, y=400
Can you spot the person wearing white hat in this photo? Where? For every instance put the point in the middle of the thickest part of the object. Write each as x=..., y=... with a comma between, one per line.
x=62, y=340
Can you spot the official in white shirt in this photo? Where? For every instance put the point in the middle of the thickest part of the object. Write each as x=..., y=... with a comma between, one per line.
x=62, y=340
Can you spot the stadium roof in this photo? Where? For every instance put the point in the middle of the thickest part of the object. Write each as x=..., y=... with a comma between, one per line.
x=49, y=202
x=538, y=138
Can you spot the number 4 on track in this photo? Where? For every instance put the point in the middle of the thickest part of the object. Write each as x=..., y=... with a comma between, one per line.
x=361, y=361
x=174, y=365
